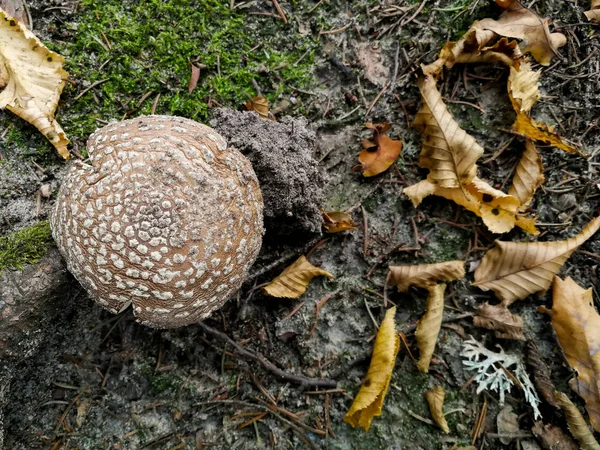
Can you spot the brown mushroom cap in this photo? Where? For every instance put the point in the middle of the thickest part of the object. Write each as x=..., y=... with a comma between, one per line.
x=166, y=218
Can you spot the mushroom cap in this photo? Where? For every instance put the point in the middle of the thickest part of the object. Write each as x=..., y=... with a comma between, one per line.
x=166, y=217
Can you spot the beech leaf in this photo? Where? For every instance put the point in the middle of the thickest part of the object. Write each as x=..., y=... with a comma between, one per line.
x=380, y=153
x=523, y=86
x=33, y=78
x=335, y=222
x=294, y=280
x=576, y=423
x=531, y=129
x=425, y=275
x=260, y=105
x=435, y=399
x=429, y=326
x=529, y=176
x=593, y=14
x=514, y=270
x=369, y=400
x=577, y=327
x=505, y=324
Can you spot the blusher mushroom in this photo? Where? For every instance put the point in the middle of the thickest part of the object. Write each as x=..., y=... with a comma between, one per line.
x=166, y=218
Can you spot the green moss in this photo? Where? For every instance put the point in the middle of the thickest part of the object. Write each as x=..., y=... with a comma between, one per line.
x=25, y=246
x=161, y=382
x=152, y=44
x=451, y=243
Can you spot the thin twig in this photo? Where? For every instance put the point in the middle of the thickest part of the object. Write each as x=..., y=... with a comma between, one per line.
x=91, y=86
x=279, y=11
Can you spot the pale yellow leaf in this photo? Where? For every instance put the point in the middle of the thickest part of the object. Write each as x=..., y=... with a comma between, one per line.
x=417, y=192
x=435, y=399
x=260, y=105
x=531, y=129
x=429, y=326
x=528, y=177
x=505, y=324
x=426, y=275
x=514, y=270
x=577, y=326
x=523, y=86
x=369, y=400
x=576, y=423
x=294, y=280
x=34, y=80
x=593, y=14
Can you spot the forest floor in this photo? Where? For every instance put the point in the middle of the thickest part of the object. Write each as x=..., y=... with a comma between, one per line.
x=106, y=382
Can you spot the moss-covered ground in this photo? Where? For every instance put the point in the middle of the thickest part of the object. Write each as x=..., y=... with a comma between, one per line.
x=25, y=246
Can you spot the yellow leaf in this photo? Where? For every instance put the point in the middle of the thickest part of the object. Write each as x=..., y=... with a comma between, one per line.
x=529, y=128
x=380, y=153
x=417, y=192
x=335, y=221
x=435, y=399
x=514, y=270
x=577, y=327
x=429, y=326
x=260, y=105
x=505, y=324
x=426, y=275
x=521, y=23
x=576, y=423
x=34, y=80
x=523, y=86
x=528, y=177
x=593, y=14
x=448, y=151
x=294, y=280
x=369, y=400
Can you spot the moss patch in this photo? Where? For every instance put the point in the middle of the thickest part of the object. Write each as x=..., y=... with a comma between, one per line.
x=25, y=246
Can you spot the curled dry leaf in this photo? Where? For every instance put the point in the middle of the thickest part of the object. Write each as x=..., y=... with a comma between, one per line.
x=194, y=77
x=521, y=23
x=593, y=14
x=541, y=373
x=369, y=400
x=435, y=399
x=260, y=105
x=505, y=324
x=335, y=221
x=33, y=79
x=294, y=280
x=514, y=270
x=576, y=423
x=552, y=437
x=577, y=327
x=523, y=87
x=429, y=326
x=531, y=129
x=529, y=176
x=426, y=275
x=380, y=153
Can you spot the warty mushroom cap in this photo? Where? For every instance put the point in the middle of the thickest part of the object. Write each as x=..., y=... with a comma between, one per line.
x=166, y=218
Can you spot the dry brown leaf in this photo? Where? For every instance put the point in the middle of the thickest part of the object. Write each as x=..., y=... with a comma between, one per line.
x=505, y=324
x=521, y=23
x=260, y=105
x=380, y=153
x=593, y=14
x=514, y=270
x=429, y=326
x=336, y=221
x=577, y=327
x=33, y=79
x=194, y=77
x=508, y=423
x=369, y=400
x=528, y=177
x=435, y=399
x=552, y=437
x=294, y=280
x=576, y=423
x=541, y=373
x=425, y=275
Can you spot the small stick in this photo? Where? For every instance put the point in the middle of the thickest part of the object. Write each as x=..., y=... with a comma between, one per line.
x=155, y=103
x=480, y=419
x=106, y=40
x=303, y=381
x=337, y=30
x=294, y=311
x=325, y=391
x=91, y=86
x=279, y=10
x=319, y=306
x=378, y=97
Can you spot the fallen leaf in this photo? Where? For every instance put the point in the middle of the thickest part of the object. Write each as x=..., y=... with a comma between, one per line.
x=593, y=14
x=541, y=373
x=33, y=79
x=521, y=23
x=523, y=86
x=553, y=437
x=529, y=176
x=194, y=77
x=425, y=275
x=429, y=326
x=529, y=128
x=369, y=400
x=16, y=9
x=508, y=423
x=260, y=105
x=514, y=270
x=380, y=153
x=335, y=221
x=505, y=324
x=294, y=280
x=577, y=327
x=435, y=399
x=576, y=423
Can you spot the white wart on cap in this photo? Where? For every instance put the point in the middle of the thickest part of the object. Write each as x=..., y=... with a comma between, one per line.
x=165, y=217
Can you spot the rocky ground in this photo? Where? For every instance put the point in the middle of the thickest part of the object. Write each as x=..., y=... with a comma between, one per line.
x=73, y=376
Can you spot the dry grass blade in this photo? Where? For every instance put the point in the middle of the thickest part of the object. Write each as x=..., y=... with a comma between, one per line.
x=505, y=324
x=429, y=326
x=576, y=423
x=435, y=399
x=577, y=327
x=514, y=270
x=529, y=176
x=294, y=280
x=426, y=275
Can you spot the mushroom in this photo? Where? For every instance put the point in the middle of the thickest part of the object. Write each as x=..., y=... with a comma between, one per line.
x=166, y=218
